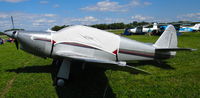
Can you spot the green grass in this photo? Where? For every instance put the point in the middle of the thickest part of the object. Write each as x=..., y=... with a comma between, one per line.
x=26, y=76
x=3, y=36
x=117, y=31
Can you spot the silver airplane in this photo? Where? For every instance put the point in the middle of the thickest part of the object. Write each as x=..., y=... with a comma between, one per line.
x=87, y=44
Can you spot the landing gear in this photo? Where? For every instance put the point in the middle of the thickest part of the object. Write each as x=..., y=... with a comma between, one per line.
x=63, y=72
x=60, y=82
x=57, y=62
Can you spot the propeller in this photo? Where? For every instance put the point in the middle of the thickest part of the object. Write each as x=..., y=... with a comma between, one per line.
x=12, y=22
x=14, y=34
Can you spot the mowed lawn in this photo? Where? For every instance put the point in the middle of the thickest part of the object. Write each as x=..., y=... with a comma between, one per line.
x=26, y=76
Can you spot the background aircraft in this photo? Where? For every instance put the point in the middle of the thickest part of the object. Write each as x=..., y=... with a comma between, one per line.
x=194, y=28
x=87, y=44
x=141, y=30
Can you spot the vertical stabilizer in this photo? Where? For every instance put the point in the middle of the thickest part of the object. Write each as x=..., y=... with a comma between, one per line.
x=168, y=39
x=197, y=26
x=155, y=26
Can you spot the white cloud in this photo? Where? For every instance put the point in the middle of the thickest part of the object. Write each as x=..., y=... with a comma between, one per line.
x=56, y=5
x=50, y=15
x=89, y=20
x=44, y=21
x=104, y=6
x=134, y=3
x=111, y=6
x=37, y=24
x=138, y=3
x=142, y=18
x=114, y=20
x=2, y=15
x=12, y=1
x=190, y=17
x=4, y=24
x=30, y=21
x=27, y=21
x=85, y=19
x=147, y=3
x=44, y=2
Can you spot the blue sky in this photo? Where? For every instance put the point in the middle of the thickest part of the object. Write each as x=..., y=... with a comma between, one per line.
x=43, y=14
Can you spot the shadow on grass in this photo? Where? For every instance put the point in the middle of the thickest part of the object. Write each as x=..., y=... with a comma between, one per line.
x=89, y=83
x=160, y=64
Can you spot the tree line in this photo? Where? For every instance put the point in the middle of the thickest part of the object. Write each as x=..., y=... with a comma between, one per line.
x=112, y=26
x=122, y=25
x=119, y=25
x=1, y=33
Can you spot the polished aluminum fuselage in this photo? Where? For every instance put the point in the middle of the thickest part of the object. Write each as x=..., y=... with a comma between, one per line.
x=40, y=44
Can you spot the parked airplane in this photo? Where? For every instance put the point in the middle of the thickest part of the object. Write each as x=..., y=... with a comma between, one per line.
x=87, y=44
x=140, y=30
x=194, y=28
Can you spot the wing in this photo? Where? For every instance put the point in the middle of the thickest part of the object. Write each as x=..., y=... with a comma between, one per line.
x=76, y=56
x=81, y=57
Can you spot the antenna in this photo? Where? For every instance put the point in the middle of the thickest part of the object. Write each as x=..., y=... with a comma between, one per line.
x=12, y=22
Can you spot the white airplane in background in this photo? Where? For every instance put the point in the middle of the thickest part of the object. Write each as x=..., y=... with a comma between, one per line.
x=87, y=44
x=142, y=30
x=194, y=28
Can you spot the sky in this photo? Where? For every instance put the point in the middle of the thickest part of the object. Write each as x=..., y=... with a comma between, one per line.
x=44, y=14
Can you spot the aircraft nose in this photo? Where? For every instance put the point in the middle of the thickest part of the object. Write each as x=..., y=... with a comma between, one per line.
x=8, y=33
x=11, y=33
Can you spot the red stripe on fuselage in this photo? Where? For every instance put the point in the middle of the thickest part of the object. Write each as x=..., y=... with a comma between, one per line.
x=47, y=40
x=138, y=53
x=124, y=51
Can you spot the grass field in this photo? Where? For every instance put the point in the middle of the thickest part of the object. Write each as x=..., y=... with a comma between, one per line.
x=27, y=76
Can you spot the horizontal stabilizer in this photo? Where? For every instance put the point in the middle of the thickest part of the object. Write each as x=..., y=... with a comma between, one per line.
x=175, y=49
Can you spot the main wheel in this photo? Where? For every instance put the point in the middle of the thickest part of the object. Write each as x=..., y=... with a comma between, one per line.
x=60, y=82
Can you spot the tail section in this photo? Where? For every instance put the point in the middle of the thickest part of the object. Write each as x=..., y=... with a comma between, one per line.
x=197, y=26
x=155, y=26
x=166, y=45
x=168, y=39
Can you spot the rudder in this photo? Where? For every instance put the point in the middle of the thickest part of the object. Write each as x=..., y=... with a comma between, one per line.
x=168, y=39
x=155, y=26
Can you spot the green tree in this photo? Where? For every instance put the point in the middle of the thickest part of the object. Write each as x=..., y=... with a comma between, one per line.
x=57, y=28
x=1, y=33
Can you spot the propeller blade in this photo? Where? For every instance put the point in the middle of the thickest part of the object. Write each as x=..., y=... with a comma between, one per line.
x=16, y=43
x=12, y=22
